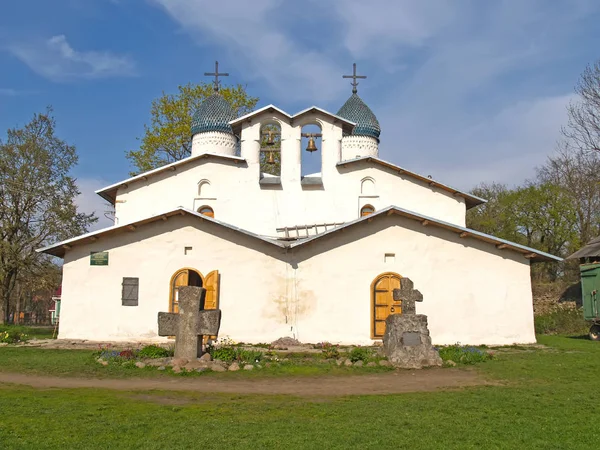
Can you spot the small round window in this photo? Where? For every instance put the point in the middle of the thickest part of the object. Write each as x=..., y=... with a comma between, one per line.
x=366, y=210
x=206, y=211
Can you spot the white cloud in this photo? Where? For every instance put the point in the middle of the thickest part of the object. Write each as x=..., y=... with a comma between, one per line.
x=56, y=60
x=89, y=202
x=256, y=39
x=467, y=91
x=505, y=147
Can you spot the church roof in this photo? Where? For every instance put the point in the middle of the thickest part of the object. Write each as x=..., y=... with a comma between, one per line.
x=356, y=110
x=347, y=125
x=214, y=114
x=59, y=248
x=109, y=193
x=470, y=199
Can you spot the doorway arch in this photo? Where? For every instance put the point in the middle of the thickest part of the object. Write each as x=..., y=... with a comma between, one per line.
x=183, y=277
x=189, y=276
x=382, y=302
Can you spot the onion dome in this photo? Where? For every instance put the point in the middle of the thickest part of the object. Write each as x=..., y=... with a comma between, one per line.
x=214, y=114
x=357, y=111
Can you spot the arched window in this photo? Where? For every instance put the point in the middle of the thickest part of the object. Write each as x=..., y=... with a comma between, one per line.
x=367, y=186
x=205, y=189
x=206, y=211
x=366, y=210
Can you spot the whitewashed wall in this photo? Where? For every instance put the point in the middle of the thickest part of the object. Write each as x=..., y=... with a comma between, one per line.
x=238, y=199
x=474, y=293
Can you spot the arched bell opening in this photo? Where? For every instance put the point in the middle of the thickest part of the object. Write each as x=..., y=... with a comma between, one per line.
x=270, y=148
x=311, y=150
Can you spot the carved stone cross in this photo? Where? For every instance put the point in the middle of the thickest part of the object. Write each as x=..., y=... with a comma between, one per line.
x=408, y=295
x=190, y=324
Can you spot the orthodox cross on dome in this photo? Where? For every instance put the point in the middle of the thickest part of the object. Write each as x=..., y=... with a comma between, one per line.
x=216, y=74
x=354, y=77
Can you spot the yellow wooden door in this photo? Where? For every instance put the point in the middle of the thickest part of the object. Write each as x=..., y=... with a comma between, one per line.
x=211, y=300
x=383, y=302
x=211, y=284
x=180, y=278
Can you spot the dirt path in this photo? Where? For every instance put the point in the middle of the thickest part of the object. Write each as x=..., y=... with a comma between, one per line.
x=387, y=383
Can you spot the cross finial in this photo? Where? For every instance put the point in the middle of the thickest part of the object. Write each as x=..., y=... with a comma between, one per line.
x=354, y=77
x=216, y=74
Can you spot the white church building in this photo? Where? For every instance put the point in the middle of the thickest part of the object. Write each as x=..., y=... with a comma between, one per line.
x=314, y=257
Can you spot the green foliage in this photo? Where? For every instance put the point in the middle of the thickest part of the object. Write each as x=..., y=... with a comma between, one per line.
x=568, y=321
x=12, y=337
x=37, y=203
x=33, y=332
x=360, y=354
x=464, y=354
x=247, y=356
x=329, y=350
x=168, y=137
x=154, y=351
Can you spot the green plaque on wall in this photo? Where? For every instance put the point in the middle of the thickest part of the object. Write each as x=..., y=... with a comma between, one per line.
x=98, y=258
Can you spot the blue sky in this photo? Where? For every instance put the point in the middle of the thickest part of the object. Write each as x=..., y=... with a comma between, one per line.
x=465, y=90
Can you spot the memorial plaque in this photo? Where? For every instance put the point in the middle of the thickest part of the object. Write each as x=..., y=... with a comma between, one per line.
x=98, y=258
x=410, y=339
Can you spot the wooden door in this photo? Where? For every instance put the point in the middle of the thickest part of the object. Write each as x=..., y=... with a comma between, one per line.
x=211, y=301
x=382, y=302
x=180, y=278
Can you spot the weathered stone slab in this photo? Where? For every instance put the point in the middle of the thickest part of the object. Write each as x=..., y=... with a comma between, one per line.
x=190, y=324
x=406, y=341
x=410, y=339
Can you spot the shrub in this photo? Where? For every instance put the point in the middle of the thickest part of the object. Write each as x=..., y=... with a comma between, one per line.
x=561, y=321
x=464, y=354
x=329, y=350
x=12, y=337
x=247, y=356
x=223, y=349
x=154, y=351
x=360, y=354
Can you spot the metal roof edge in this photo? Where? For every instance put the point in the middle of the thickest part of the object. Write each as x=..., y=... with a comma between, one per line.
x=414, y=215
x=162, y=169
x=304, y=111
x=156, y=217
x=434, y=183
x=259, y=111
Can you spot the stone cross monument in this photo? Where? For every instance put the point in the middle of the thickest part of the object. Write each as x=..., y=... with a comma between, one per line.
x=190, y=324
x=406, y=341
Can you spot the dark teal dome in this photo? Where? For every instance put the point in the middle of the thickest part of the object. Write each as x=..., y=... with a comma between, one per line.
x=214, y=114
x=357, y=111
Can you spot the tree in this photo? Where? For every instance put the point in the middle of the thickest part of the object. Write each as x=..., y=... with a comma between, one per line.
x=578, y=173
x=583, y=129
x=492, y=217
x=168, y=138
x=36, y=201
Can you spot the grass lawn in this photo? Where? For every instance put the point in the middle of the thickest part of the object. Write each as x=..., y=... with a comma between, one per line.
x=546, y=399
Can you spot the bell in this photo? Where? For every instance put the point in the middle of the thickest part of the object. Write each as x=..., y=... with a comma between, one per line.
x=271, y=159
x=311, y=147
x=270, y=139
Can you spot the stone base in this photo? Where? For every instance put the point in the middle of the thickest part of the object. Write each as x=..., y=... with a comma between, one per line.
x=407, y=343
